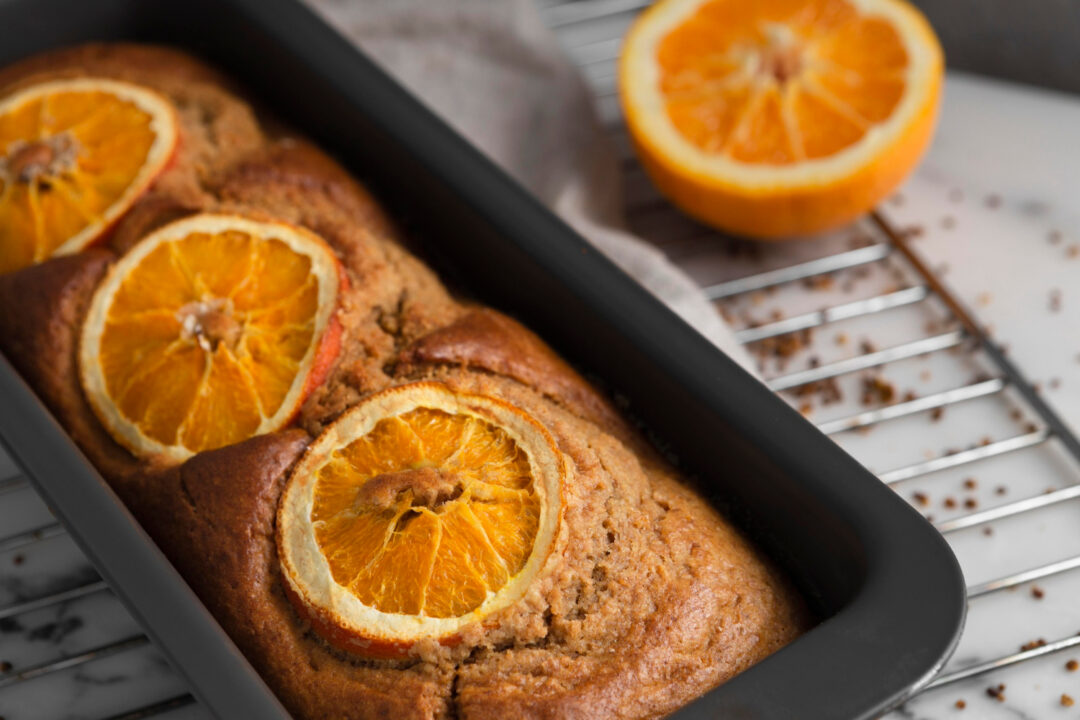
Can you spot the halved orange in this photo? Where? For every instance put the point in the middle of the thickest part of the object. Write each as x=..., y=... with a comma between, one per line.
x=74, y=156
x=417, y=513
x=775, y=118
x=210, y=330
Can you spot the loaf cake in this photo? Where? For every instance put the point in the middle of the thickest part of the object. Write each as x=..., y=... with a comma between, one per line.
x=402, y=504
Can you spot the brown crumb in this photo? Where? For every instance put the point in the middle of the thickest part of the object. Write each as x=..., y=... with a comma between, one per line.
x=877, y=389
x=1037, y=592
x=971, y=503
x=841, y=339
x=1032, y=645
x=819, y=282
x=970, y=483
x=925, y=375
x=910, y=395
x=912, y=232
x=1072, y=665
x=1031, y=427
x=985, y=440
x=997, y=692
x=950, y=502
x=921, y=498
x=1072, y=251
x=806, y=409
x=1000, y=490
x=1016, y=415
x=1066, y=700
x=993, y=201
x=988, y=531
x=18, y=559
x=1055, y=300
x=960, y=704
x=5, y=666
x=866, y=347
x=937, y=413
x=827, y=391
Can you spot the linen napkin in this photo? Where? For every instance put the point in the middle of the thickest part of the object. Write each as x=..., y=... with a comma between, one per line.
x=495, y=72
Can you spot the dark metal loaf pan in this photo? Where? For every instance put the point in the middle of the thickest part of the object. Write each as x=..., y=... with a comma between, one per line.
x=886, y=585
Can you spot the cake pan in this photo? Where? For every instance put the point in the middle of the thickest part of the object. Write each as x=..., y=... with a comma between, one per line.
x=887, y=589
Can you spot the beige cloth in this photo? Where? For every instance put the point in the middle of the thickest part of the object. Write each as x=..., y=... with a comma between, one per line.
x=495, y=72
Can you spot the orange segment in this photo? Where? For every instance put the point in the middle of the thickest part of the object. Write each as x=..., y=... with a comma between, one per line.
x=457, y=543
x=779, y=117
x=209, y=331
x=416, y=513
x=74, y=156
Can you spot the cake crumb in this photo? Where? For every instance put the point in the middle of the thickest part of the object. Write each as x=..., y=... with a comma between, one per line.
x=970, y=483
x=997, y=692
x=1037, y=592
x=1055, y=300
x=1066, y=700
x=921, y=498
x=960, y=704
x=950, y=502
x=1072, y=665
x=1032, y=645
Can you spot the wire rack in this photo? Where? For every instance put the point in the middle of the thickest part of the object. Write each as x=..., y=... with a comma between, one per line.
x=590, y=31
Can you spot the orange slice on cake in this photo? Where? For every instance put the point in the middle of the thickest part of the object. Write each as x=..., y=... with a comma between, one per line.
x=74, y=156
x=210, y=330
x=776, y=118
x=419, y=512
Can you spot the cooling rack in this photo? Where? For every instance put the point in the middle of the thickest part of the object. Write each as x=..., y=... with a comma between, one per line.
x=778, y=303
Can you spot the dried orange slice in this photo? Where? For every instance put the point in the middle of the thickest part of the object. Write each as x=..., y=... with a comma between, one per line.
x=74, y=156
x=210, y=330
x=417, y=513
x=780, y=117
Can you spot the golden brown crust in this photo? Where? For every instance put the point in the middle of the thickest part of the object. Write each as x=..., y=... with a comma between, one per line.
x=40, y=309
x=650, y=599
x=484, y=339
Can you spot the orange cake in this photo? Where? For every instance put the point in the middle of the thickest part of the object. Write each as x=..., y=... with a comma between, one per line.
x=398, y=503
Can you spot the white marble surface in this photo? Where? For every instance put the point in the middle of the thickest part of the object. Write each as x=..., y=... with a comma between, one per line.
x=1015, y=144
